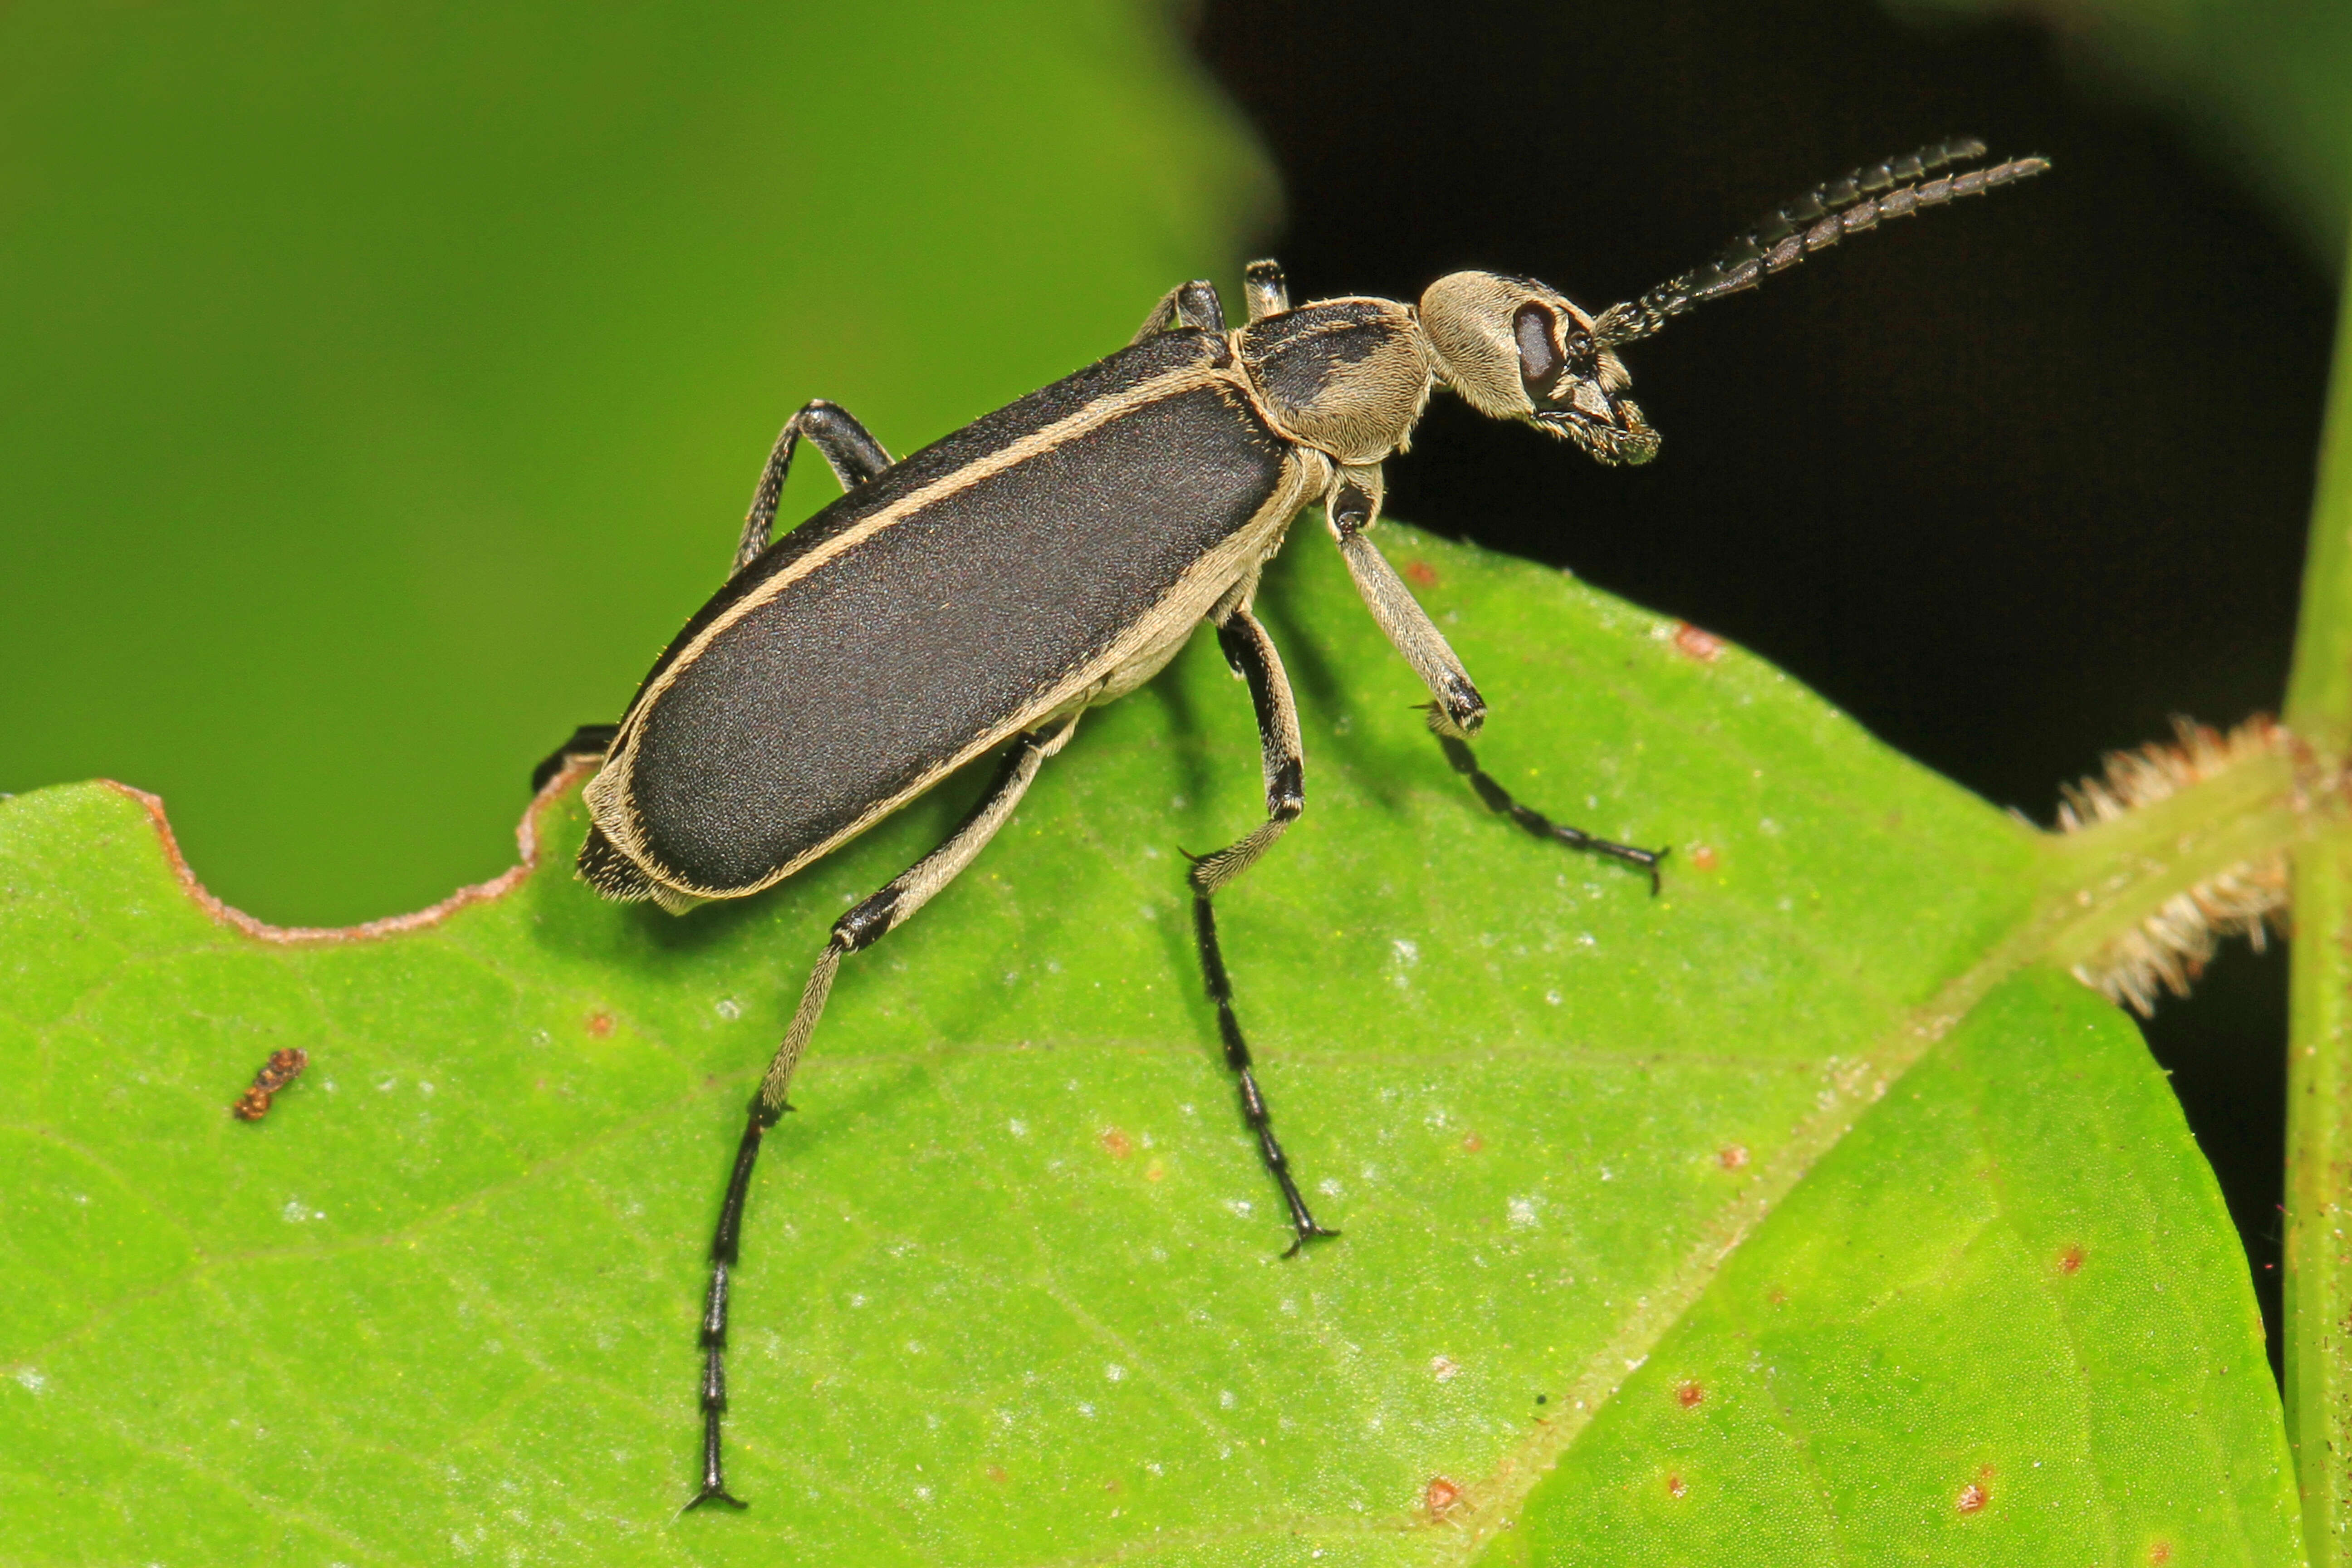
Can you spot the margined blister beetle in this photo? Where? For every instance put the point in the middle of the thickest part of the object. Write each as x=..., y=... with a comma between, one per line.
x=1053, y=555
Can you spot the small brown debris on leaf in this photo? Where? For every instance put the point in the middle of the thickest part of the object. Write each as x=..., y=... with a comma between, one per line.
x=1693, y=643
x=282, y=1069
x=600, y=1024
x=1439, y=1495
x=1703, y=858
x=1972, y=1498
x=1690, y=1393
x=1117, y=1144
x=1676, y=1487
x=2071, y=1260
x=1472, y=1143
x=1421, y=574
x=1732, y=1156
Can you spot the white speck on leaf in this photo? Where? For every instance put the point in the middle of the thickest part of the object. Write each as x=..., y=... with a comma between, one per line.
x=1224, y=1399
x=1114, y=1372
x=728, y=1008
x=1552, y=997
x=1329, y=1186
x=34, y=1381
x=1523, y=1210
x=1018, y=1128
x=1444, y=1368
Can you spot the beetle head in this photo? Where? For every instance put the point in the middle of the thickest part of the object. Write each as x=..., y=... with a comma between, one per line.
x=1517, y=349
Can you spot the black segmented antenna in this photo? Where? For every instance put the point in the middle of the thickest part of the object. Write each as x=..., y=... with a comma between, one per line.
x=1815, y=221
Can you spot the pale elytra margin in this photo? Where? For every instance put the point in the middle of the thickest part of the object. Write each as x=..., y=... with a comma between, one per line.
x=2171, y=947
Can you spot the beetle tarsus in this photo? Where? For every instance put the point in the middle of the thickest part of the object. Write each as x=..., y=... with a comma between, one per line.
x=1499, y=801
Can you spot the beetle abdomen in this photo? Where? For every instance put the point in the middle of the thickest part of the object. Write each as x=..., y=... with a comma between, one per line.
x=988, y=575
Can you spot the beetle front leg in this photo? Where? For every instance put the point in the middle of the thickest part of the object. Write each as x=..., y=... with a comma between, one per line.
x=1459, y=710
x=1252, y=653
x=1193, y=304
x=860, y=928
x=854, y=456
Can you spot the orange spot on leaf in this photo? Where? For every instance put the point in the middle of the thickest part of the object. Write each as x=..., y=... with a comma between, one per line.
x=1439, y=1495
x=996, y=1473
x=600, y=1023
x=1690, y=1393
x=1473, y=1143
x=1676, y=1486
x=1693, y=643
x=2161, y=1553
x=1972, y=1498
x=1702, y=857
x=1732, y=1156
x=1421, y=574
x=1119, y=1144
x=2071, y=1260
x=1154, y=1171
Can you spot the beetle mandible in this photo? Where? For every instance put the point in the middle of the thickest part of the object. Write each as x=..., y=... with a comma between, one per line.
x=1053, y=555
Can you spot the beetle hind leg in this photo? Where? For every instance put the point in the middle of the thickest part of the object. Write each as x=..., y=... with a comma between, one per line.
x=860, y=929
x=1252, y=653
x=587, y=740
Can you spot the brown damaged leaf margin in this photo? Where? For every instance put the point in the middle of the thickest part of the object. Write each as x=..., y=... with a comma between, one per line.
x=527, y=844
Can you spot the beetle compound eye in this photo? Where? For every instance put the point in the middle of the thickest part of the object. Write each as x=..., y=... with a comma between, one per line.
x=1539, y=359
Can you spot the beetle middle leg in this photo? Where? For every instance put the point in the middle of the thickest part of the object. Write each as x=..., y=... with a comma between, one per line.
x=1193, y=304
x=860, y=928
x=1459, y=710
x=1252, y=655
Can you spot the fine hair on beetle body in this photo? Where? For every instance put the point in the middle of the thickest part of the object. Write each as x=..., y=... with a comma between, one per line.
x=977, y=596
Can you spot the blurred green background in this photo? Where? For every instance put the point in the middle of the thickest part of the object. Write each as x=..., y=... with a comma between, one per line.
x=382, y=385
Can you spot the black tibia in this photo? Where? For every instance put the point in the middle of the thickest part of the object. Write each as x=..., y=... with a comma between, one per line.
x=1815, y=221
x=1251, y=652
x=1499, y=799
x=588, y=741
x=1267, y=293
x=855, y=931
x=854, y=456
x=1193, y=304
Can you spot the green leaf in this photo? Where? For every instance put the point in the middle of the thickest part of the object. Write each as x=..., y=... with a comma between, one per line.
x=1756, y=1221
